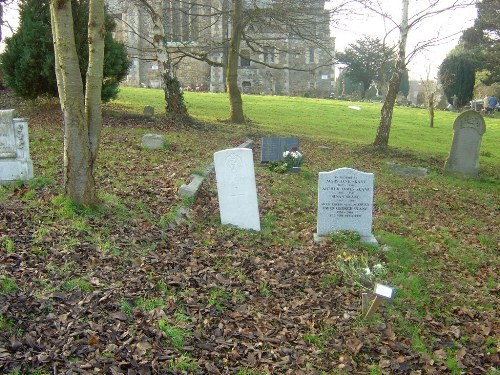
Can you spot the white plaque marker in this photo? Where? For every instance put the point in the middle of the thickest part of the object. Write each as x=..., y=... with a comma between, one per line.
x=381, y=292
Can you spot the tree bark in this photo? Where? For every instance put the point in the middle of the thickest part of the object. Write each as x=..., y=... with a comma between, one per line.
x=430, y=109
x=384, y=127
x=174, y=100
x=80, y=138
x=235, y=101
x=1, y=20
x=93, y=85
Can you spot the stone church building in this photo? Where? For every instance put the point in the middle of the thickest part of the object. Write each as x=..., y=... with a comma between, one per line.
x=275, y=57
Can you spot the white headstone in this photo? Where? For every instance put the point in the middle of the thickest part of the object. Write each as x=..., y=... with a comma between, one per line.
x=153, y=141
x=463, y=160
x=15, y=162
x=345, y=202
x=236, y=188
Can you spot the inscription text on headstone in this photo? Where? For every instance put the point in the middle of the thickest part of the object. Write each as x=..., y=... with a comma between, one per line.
x=345, y=201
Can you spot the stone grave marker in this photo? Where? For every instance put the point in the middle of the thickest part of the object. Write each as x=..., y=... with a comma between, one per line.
x=345, y=202
x=406, y=170
x=272, y=148
x=153, y=141
x=15, y=162
x=236, y=188
x=149, y=111
x=468, y=130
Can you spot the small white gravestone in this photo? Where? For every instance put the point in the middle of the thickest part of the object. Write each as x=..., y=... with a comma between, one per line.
x=236, y=188
x=153, y=141
x=345, y=202
x=463, y=160
x=15, y=162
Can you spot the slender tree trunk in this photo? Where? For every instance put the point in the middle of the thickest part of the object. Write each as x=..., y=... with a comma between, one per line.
x=384, y=127
x=174, y=100
x=1, y=20
x=94, y=77
x=430, y=109
x=80, y=139
x=235, y=101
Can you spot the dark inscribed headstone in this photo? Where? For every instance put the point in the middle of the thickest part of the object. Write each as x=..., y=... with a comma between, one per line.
x=468, y=130
x=272, y=148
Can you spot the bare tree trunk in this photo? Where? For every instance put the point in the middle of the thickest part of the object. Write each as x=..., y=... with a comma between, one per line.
x=80, y=138
x=384, y=127
x=235, y=101
x=1, y=20
x=174, y=100
x=93, y=85
x=430, y=109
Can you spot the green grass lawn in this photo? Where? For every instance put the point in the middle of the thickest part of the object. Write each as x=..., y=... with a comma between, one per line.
x=328, y=120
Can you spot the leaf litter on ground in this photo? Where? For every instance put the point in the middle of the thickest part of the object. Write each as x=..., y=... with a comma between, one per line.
x=113, y=291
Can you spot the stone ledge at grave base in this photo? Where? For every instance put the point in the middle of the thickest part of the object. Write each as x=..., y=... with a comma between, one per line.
x=15, y=170
x=369, y=240
x=193, y=187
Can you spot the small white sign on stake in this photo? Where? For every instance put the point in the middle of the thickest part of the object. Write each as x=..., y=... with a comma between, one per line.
x=381, y=292
x=384, y=291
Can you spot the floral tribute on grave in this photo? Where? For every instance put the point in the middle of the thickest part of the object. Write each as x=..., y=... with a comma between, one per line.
x=292, y=161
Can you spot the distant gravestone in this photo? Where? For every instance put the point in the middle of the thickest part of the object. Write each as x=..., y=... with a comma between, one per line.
x=236, y=188
x=468, y=130
x=406, y=170
x=15, y=162
x=345, y=202
x=149, y=111
x=272, y=148
x=153, y=141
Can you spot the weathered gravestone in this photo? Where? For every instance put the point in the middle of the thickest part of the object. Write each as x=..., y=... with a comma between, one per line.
x=272, y=148
x=236, y=188
x=468, y=130
x=15, y=162
x=406, y=170
x=345, y=202
x=149, y=111
x=153, y=141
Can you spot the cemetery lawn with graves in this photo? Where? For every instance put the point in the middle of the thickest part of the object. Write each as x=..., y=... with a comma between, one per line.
x=134, y=287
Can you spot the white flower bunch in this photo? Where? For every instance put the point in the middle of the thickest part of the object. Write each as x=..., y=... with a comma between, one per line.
x=292, y=154
x=293, y=158
x=377, y=268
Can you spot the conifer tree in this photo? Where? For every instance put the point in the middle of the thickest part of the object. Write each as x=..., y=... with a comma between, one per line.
x=28, y=61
